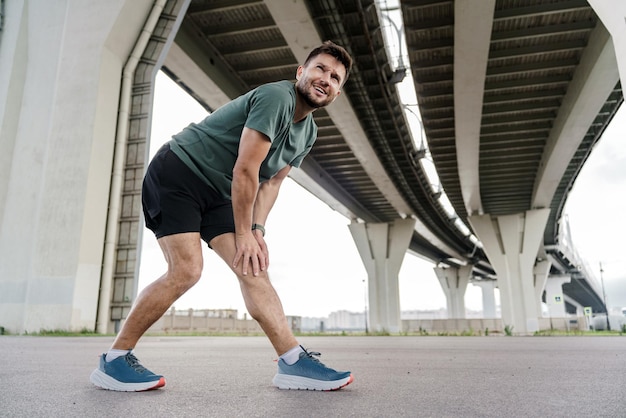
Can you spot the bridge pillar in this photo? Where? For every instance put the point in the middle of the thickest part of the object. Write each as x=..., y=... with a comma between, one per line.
x=382, y=247
x=488, y=288
x=541, y=272
x=580, y=309
x=511, y=243
x=613, y=17
x=60, y=74
x=454, y=283
x=554, y=295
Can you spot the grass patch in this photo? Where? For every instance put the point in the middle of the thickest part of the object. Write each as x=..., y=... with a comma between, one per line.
x=203, y=334
x=384, y=333
x=63, y=333
x=559, y=333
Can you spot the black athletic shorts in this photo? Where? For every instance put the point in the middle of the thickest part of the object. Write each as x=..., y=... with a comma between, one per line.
x=176, y=200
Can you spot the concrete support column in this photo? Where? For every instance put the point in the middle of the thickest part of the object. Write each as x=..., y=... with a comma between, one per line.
x=541, y=272
x=382, y=247
x=488, y=288
x=60, y=73
x=554, y=295
x=454, y=283
x=511, y=243
x=580, y=309
x=613, y=17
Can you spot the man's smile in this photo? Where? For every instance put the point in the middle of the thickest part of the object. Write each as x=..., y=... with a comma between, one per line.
x=320, y=90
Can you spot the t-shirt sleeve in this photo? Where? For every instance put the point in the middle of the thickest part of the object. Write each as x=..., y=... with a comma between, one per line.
x=270, y=111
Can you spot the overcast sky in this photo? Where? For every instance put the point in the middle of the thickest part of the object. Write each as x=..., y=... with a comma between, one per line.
x=315, y=266
x=596, y=208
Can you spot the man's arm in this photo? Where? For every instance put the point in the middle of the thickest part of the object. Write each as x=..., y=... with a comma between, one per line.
x=253, y=149
x=268, y=192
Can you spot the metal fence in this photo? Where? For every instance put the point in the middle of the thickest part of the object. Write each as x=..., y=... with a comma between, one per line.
x=224, y=321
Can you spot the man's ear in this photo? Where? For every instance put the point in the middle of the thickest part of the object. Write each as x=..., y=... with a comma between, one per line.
x=299, y=72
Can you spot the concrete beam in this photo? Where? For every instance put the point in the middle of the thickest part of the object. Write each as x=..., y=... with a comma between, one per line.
x=594, y=79
x=206, y=64
x=472, y=36
x=613, y=16
x=203, y=86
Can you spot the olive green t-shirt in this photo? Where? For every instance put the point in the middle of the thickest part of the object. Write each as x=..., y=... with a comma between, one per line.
x=209, y=148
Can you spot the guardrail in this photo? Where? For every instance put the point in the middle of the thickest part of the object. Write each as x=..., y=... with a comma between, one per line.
x=566, y=246
x=209, y=321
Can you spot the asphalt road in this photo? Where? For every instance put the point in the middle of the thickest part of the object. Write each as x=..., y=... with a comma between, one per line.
x=394, y=377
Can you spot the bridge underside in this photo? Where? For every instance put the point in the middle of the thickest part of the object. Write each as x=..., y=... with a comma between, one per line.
x=509, y=112
x=535, y=53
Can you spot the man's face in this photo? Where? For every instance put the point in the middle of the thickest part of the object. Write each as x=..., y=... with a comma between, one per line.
x=320, y=81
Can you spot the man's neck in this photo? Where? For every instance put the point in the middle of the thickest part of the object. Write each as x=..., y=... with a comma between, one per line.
x=302, y=108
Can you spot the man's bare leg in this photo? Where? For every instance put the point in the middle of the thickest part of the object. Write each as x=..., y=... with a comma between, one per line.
x=264, y=305
x=261, y=299
x=183, y=253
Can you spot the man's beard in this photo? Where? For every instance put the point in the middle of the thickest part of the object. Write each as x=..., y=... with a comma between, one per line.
x=308, y=97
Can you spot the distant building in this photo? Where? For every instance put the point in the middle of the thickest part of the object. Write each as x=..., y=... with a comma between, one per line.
x=440, y=313
x=206, y=313
x=346, y=321
x=310, y=324
x=356, y=321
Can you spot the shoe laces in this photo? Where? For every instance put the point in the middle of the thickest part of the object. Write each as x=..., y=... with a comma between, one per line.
x=134, y=363
x=312, y=355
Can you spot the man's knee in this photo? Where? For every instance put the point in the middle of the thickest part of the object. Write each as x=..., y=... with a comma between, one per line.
x=250, y=280
x=183, y=253
x=185, y=276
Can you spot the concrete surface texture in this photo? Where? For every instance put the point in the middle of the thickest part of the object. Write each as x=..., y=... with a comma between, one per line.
x=394, y=377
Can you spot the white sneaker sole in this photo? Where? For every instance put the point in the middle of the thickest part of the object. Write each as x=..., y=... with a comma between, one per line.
x=104, y=381
x=287, y=381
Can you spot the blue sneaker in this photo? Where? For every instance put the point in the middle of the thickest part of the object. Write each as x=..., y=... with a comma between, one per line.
x=308, y=373
x=125, y=374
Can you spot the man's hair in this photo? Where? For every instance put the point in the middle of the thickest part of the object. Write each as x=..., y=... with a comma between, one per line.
x=333, y=50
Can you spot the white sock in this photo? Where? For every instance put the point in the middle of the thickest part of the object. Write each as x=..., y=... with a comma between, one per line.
x=113, y=353
x=293, y=355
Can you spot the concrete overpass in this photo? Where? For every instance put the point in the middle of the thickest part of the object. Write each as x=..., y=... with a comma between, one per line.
x=512, y=96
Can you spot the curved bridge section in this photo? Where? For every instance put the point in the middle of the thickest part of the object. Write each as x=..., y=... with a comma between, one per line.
x=512, y=97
